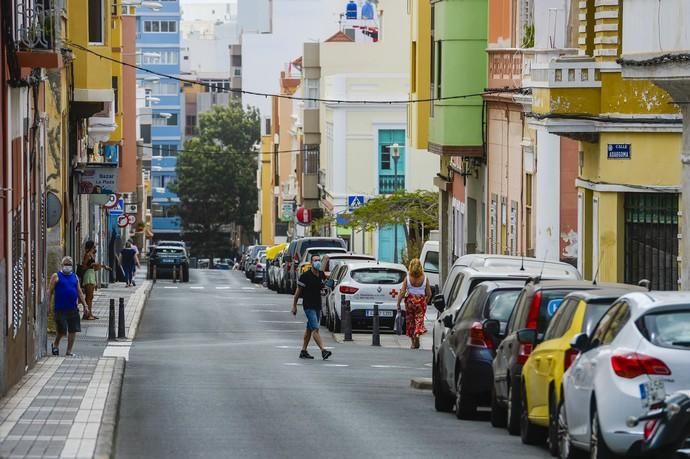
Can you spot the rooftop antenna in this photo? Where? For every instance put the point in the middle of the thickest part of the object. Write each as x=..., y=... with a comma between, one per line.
x=543, y=263
x=596, y=274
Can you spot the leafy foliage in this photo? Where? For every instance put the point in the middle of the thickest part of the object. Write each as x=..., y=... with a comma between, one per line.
x=417, y=211
x=216, y=178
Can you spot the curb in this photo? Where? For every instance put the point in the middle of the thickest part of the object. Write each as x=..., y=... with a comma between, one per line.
x=134, y=326
x=105, y=442
x=421, y=383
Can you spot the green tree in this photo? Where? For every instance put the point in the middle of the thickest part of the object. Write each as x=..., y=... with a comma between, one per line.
x=216, y=178
x=416, y=210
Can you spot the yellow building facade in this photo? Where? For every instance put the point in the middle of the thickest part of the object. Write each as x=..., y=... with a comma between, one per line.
x=420, y=74
x=630, y=142
x=266, y=192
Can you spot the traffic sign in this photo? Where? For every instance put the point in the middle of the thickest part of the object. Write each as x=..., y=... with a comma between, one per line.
x=119, y=209
x=355, y=201
x=131, y=219
x=112, y=201
x=122, y=221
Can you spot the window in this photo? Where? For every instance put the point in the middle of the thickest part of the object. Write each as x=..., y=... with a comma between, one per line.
x=471, y=306
x=514, y=322
x=96, y=21
x=172, y=121
x=413, y=72
x=501, y=304
x=594, y=312
x=190, y=125
x=560, y=323
x=160, y=26
x=164, y=150
x=312, y=93
x=378, y=276
x=116, y=94
x=528, y=211
x=453, y=293
x=670, y=328
x=439, y=69
x=386, y=157
x=431, y=262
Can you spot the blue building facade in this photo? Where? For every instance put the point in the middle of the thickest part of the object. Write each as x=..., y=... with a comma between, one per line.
x=158, y=49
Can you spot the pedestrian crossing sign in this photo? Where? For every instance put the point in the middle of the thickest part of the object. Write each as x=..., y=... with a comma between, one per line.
x=355, y=201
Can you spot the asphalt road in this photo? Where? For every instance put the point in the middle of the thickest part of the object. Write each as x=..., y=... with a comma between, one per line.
x=214, y=373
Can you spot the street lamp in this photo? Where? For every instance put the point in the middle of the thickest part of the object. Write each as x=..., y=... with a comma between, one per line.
x=395, y=152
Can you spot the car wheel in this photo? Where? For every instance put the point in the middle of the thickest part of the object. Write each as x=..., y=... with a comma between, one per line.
x=597, y=444
x=443, y=402
x=552, y=437
x=529, y=433
x=566, y=450
x=465, y=406
x=513, y=411
x=499, y=413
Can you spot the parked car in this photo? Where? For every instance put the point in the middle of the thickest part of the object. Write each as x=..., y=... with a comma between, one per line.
x=245, y=257
x=172, y=244
x=254, y=264
x=164, y=259
x=333, y=279
x=223, y=266
x=539, y=301
x=297, y=254
x=259, y=270
x=305, y=262
x=471, y=270
x=363, y=284
x=332, y=260
x=273, y=270
x=429, y=260
x=463, y=361
x=542, y=374
x=252, y=258
x=286, y=267
x=638, y=352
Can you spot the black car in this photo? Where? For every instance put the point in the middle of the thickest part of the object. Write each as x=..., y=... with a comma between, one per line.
x=296, y=252
x=164, y=259
x=538, y=302
x=462, y=374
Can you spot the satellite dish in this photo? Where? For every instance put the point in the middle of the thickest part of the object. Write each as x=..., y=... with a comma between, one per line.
x=53, y=209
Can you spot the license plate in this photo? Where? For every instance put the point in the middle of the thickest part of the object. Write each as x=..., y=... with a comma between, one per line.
x=167, y=260
x=652, y=393
x=370, y=313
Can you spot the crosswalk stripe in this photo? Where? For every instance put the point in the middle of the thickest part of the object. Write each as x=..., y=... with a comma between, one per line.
x=196, y=288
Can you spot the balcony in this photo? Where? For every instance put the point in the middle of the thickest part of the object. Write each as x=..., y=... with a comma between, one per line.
x=389, y=184
x=505, y=67
x=36, y=32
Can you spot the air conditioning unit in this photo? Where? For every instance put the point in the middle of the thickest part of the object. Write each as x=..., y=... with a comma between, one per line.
x=131, y=208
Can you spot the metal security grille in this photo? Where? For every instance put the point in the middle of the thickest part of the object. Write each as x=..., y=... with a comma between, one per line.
x=17, y=276
x=651, y=239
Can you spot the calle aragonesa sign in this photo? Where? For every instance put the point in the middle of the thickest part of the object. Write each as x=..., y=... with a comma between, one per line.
x=618, y=151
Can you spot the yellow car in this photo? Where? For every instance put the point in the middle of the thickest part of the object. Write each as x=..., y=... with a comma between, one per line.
x=543, y=372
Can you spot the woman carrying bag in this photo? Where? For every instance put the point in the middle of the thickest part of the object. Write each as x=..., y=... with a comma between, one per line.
x=417, y=293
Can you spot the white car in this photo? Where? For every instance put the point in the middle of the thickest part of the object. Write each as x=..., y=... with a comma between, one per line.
x=639, y=350
x=365, y=284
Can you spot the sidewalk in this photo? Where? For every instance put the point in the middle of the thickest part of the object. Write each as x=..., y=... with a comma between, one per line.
x=388, y=340
x=67, y=407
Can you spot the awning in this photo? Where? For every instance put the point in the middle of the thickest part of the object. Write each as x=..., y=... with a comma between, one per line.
x=273, y=252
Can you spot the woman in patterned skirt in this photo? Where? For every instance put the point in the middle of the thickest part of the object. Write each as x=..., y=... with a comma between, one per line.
x=417, y=293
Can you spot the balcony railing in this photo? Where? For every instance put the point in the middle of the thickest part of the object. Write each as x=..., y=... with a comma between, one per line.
x=311, y=160
x=390, y=184
x=36, y=24
x=505, y=67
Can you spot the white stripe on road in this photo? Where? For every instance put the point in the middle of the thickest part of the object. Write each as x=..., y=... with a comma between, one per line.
x=281, y=322
x=270, y=310
x=335, y=365
x=391, y=366
x=223, y=288
x=169, y=286
x=196, y=288
x=248, y=288
x=298, y=347
x=292, y=364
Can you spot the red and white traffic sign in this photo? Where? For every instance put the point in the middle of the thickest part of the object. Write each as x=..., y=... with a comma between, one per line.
x=131, y=219
x=123, y=221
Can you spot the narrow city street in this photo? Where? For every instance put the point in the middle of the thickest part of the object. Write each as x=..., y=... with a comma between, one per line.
x=214, y=372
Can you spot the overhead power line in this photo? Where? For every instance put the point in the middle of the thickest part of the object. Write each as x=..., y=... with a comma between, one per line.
x=183, y=150
x=290, y=97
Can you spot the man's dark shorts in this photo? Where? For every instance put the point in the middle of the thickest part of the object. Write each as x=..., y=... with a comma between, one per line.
x=67, y=321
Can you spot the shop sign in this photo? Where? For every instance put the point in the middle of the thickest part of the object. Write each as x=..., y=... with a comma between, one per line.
x=618, y=151
x=287, y=211
x=99, y=180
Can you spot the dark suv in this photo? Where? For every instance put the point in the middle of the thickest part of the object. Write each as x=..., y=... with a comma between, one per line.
x=164, y=259
x=296, y=251
x=537, y=303
x=462, y=375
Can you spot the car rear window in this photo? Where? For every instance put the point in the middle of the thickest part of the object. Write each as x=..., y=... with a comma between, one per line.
x=319, y=243
x=169, y=251
x=667, y=329
x=550, y=302
x=502, y=303
x=378, y=276
x=594, y=312
x=431, y=262
x=319, y=252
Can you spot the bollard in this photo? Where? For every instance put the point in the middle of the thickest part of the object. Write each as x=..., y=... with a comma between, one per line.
x=121, y=320
x=155, y=273
x=111, y=320
x=346, y=320
x=375, y=329
x=174, y=274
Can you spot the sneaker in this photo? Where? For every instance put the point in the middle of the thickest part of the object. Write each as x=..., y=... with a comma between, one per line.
x=55, y=349
x=305, y=355
x=326, y=354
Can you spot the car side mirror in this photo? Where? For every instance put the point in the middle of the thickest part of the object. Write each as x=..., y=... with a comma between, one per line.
x=439, y=302
x=492, y=327
x=581, y=342
x=527, y=336
x=448, y=321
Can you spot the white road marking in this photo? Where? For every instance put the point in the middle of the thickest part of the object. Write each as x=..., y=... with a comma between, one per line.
x=298, y=347
x=223, y=288
x=170, y=286
x=196, y=288
x=247, y=288
x=335, y=365
x=391, y=366
x=281, y=322
x=270, y=310
x=293, y=364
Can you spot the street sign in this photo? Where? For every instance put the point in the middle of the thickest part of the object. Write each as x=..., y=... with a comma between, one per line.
x=618, y=151
x=122, y=221
x=131, y=208
x=355, y=201
x=119, y=208
x=131, y=219
x=112, y=201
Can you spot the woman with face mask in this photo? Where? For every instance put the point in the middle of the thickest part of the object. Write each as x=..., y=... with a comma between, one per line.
x=89, y=268
x=65, y=285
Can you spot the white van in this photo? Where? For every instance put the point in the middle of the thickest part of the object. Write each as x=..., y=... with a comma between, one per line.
x=429, y=259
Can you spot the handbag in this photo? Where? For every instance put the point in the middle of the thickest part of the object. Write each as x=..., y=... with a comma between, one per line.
x=399, y=323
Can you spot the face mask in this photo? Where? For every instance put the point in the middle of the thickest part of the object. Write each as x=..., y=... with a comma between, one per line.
x=316, y=265
x=67, y=269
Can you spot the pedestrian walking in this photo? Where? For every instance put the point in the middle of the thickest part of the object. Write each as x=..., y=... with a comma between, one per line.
x=309, y=289
x=65, y=285
x=416, y=293
x=136, y=251
x=129, y=260
x=87, y=275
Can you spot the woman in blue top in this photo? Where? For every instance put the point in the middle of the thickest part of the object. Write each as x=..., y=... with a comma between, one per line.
x=65, y=285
